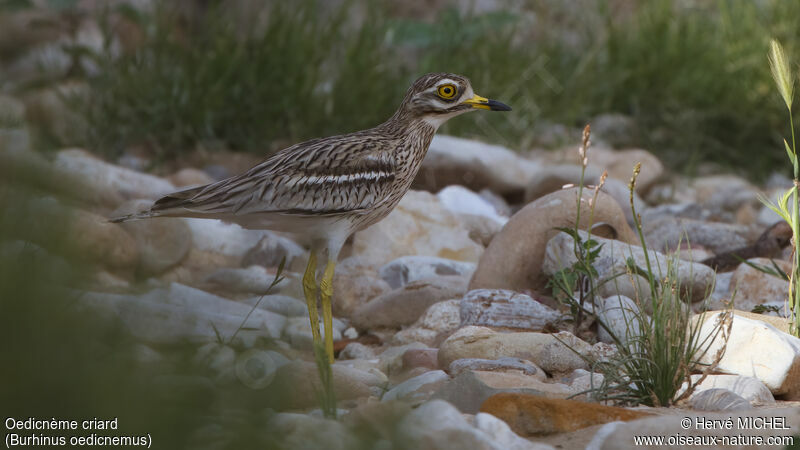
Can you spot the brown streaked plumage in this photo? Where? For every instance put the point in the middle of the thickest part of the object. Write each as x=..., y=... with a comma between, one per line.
x=326, y=189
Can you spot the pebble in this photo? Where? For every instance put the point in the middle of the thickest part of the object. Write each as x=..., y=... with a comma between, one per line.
x=505, y=309
x=461, y=200
x=470, y=388
x=504, y=364
x=718, y=400
x=695, y=278
x=622, y=316
x=548, y=351
x=749, y=388
x=249, y=280
x=403, y=306
x=474, y=165
x=417, y=389
x=271, y=250
x=419, y=225
x=297, y=384
x=298, y=333
x=754, y=287
x=406, y=269
x=355, y=350
x=162, y=242
x=279, y=304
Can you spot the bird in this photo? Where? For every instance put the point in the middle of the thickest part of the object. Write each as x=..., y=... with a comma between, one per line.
x=326, y=189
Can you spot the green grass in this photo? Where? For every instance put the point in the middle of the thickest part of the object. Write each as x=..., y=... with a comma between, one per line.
x=693, y=78
x=209, y=81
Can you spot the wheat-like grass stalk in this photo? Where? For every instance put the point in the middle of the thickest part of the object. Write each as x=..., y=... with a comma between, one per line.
x=780, y=72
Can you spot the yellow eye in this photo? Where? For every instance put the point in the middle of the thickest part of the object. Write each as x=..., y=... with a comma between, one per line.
x=447, y=91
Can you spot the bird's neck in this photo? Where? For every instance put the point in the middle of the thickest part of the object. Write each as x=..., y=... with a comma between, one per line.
x=416, y=133
x=403, y=124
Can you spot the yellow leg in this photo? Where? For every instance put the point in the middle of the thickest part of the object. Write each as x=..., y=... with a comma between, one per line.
x=310, y=290
x=326, y=292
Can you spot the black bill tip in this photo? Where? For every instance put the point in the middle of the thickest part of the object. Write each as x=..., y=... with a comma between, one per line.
x=494, y=105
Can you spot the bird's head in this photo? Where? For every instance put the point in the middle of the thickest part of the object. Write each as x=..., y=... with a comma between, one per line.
x=436, y=97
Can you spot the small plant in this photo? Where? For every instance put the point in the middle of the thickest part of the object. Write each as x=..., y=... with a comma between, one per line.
x=581, y=275
x=658, y=352
x=784, y=79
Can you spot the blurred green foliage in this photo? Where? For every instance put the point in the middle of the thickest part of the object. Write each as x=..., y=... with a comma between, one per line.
x=691, y=75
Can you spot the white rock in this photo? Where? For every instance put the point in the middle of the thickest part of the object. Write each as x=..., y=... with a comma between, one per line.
x=417, y=389
x=438, y=425
x=476, y=165
x=180, y=313
x=555, y=353
x=419, y=225
x=583, y=381
x=749, y=388
x=414, y=335
x=298, y=332
x=222, y=237
x=461, y=200
x=253, y=280
x=305, y=431
x=279, y=304
x=757, y=349
x=350, y=333
x=718, y=400
x=407, y=269
x=271, y=250
x=102, y=181
x=502, y=436
x=355, y=350
x=391, y=360
x=622, y=316
x=441, y=317
x=162, y=242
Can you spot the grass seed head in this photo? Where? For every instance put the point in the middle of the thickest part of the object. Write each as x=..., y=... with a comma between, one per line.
x=779, y=66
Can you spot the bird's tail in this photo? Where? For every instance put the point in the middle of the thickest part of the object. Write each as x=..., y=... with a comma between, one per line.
x=135, y=216
x=172, y=205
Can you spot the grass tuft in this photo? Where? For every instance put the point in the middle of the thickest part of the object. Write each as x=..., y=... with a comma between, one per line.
x=656, y=352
